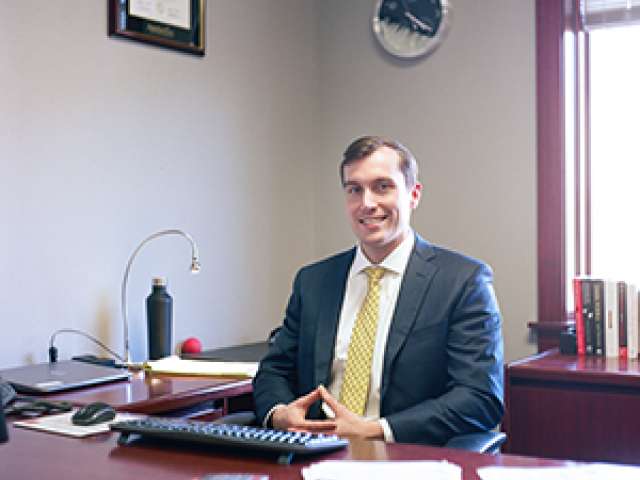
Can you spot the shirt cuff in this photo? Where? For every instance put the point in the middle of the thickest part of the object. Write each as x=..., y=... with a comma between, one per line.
x=267, y=418
x=386, y=429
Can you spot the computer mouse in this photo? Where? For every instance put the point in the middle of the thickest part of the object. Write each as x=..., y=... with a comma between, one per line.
x=93, y=413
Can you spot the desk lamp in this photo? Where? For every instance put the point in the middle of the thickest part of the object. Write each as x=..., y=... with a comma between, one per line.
x=195, y=268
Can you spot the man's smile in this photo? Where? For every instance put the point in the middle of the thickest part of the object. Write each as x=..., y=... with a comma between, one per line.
x=373, y=220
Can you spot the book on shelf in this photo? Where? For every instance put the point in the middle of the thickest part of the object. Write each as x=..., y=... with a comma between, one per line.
x=587, y=316
x=622, y=319
x=632, y=321
x=598, y=316
x=611, y=317
x=577, y=300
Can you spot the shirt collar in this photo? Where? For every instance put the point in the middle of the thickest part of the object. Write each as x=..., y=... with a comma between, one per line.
x=395, y=262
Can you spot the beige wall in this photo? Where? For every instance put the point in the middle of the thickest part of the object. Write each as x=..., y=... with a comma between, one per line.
x=104, y=141
x=468, y=114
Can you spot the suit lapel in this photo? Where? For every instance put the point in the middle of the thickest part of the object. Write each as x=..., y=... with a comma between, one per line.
x=415, y=283
x=333, y=288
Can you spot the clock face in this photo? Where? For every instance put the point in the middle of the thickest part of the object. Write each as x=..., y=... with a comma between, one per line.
x=411, y=28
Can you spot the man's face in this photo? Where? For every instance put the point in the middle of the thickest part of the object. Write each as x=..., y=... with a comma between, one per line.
x=378, y=202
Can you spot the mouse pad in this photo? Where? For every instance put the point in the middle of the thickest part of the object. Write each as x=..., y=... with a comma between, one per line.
x=61, y=424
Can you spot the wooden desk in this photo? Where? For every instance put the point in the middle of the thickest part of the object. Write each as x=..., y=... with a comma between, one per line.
x=30, y=455
x=581, y=408
x=161, y=394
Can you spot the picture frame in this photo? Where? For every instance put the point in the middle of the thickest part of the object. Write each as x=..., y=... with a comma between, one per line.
x=174, y=24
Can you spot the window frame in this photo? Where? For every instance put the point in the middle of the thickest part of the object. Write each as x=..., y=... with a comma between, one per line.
x=553, y=20
x=563, y=163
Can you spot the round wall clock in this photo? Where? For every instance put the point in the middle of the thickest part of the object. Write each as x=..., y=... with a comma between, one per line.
x=411, y=28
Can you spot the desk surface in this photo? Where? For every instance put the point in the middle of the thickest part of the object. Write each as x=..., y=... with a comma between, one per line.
x=30, y=455
x=157, y=393
x=552, y=365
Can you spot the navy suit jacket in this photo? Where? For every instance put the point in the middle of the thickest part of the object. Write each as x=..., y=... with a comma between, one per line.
x=442, y=373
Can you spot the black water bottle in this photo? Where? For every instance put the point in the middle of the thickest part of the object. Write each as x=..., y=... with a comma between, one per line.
x=4, y=435
x=159, y=320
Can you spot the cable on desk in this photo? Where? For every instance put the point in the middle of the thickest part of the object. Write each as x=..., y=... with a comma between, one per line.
x=53, y=351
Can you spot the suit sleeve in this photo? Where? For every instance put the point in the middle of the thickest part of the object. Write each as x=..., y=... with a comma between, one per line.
x=472, y=400
x=276, y=380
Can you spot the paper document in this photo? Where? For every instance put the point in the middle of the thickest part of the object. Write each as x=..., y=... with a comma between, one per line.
x=61, y=423
x=595, y=471
x=176, y=365
x=405, y=470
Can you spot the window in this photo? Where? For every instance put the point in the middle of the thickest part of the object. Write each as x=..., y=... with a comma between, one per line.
x=588, y=152
x=614, y=79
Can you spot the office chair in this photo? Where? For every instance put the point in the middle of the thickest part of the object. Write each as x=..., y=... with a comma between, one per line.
x=481, y=442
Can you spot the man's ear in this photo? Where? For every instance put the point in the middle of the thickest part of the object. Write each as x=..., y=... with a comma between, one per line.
x=416, y=194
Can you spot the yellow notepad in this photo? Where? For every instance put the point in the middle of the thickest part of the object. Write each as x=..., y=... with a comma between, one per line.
x=178, y=366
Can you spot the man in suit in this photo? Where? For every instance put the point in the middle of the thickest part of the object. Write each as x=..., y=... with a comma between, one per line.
x=429, y=363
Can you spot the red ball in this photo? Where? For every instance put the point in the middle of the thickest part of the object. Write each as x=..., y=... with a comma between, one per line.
x=191, y=345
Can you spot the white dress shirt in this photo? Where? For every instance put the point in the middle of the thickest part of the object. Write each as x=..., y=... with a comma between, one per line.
x=395, y=265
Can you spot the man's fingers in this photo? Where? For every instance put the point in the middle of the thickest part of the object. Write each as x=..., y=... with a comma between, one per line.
x=315, y=426
x=329, y=400
x=308, y=399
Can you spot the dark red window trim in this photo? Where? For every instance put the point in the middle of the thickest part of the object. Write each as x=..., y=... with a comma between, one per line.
x=553, y=18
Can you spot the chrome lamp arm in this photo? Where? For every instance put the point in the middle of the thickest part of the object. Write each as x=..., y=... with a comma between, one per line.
x=195, y=268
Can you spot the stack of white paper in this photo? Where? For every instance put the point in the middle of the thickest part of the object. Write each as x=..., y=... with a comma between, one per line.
x=595, y=471
x=178, y=366
x=405, y=470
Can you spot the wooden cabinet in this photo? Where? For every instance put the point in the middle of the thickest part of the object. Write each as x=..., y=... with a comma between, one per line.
x=578, y=408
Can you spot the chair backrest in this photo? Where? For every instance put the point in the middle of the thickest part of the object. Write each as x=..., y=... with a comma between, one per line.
x=481, y=442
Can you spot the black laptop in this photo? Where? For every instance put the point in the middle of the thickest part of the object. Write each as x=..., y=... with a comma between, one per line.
x=64, y=375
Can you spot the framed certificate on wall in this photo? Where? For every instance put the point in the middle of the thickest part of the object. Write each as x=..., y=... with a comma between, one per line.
x=176, y=24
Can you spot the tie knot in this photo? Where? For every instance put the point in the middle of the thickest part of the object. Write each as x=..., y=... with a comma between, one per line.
x=374, y=274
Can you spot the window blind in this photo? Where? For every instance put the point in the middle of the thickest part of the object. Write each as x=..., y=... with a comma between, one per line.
x=609, y=13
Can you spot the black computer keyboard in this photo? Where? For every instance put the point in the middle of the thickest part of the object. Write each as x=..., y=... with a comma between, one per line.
x=241, y=437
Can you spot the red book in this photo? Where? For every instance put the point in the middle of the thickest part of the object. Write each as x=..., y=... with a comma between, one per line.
x=577, y=297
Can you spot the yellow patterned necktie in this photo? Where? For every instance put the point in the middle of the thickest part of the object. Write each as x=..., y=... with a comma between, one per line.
x=357, y=374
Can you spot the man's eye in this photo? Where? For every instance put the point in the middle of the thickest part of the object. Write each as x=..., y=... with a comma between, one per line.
x=383, y=187
x=352, y=189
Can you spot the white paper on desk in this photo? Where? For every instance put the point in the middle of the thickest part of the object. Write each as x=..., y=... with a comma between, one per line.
x=179, y=366
x=61, y=423
x=382, y=470
x=596, y=471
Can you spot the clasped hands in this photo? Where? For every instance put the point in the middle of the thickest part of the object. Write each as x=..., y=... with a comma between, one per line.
x=291, y=417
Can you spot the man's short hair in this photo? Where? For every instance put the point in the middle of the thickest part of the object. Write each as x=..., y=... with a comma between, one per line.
x=365, y=146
